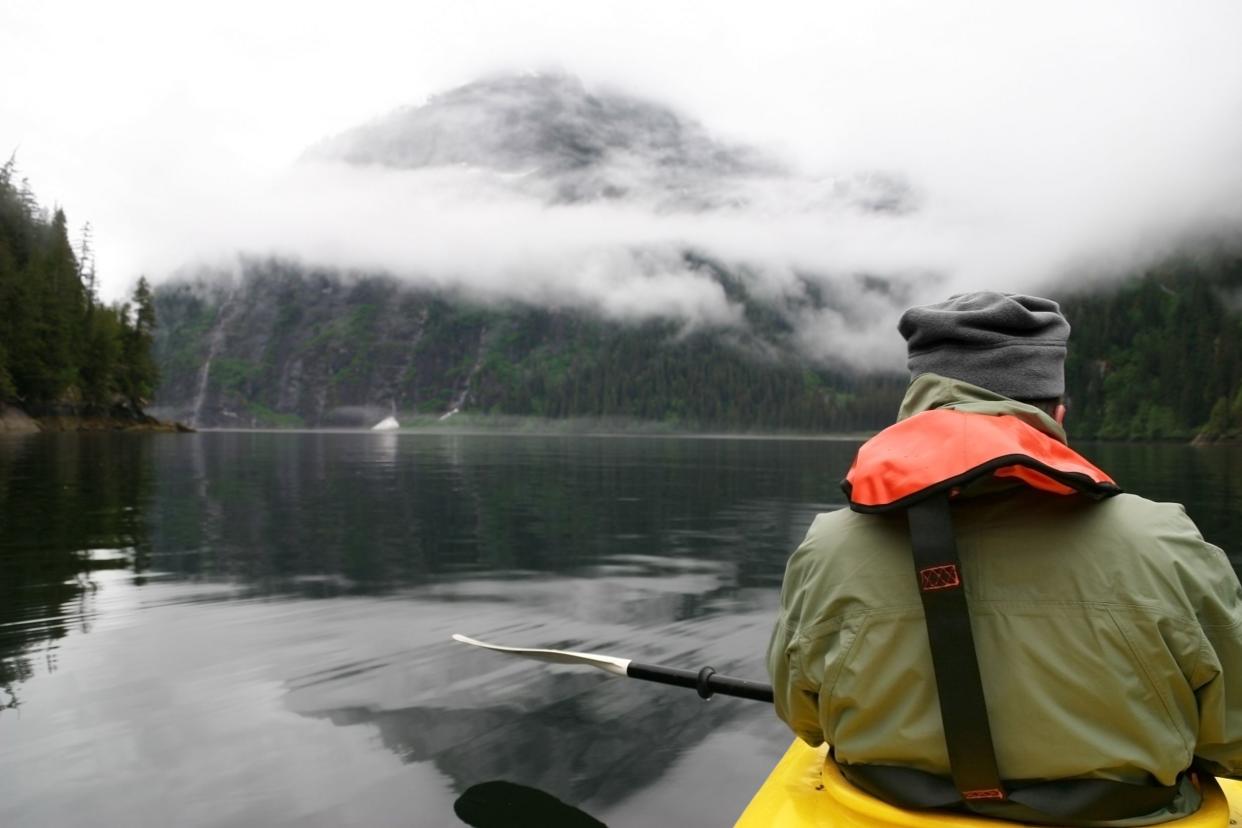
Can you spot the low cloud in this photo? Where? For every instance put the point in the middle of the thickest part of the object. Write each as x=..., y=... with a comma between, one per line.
x=783, y=237
x=1028, y=144
x=880, y=156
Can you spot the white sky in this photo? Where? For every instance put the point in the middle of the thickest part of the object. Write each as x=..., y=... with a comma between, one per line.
x=1039, y=133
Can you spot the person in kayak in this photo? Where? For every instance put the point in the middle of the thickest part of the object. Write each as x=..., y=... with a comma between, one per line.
x=992, y=627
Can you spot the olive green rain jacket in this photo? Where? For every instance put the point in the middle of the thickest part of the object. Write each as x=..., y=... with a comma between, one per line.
x=1109, y=633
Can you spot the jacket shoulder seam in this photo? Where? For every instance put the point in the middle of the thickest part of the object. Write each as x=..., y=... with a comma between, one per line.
x=1105, y=606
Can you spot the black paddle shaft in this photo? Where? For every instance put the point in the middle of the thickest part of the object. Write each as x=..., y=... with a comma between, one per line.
x=706, y=681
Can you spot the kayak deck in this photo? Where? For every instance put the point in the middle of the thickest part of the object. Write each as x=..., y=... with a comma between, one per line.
x=805, y=791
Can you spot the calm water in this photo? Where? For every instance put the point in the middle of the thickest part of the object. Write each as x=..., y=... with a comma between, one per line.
x=235, y=629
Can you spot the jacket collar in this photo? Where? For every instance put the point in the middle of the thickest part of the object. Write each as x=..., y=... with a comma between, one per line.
x=931, y=391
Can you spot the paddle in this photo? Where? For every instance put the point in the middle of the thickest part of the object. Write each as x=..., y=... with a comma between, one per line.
x=502, y=804
x=706, y=681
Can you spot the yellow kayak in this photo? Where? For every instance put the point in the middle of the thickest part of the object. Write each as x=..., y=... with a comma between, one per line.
x=805, y=791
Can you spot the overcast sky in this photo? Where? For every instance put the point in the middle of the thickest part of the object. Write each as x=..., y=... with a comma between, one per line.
x=1038, y=134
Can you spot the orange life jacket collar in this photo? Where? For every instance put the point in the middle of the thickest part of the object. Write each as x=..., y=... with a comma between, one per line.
x=945, y=449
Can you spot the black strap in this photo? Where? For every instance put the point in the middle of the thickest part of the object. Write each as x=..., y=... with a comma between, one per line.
x=964, y=714
x=963, y=709
x=1058, y=801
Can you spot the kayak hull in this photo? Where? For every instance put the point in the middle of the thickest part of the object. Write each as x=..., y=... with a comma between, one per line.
x=805, y=791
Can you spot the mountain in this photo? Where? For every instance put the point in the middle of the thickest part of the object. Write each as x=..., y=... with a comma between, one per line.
x=280, y=342
x=546, y=135
x=573, y=146
x=275, y=342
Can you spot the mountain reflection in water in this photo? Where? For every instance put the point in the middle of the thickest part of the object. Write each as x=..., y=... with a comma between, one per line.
x=253, y=629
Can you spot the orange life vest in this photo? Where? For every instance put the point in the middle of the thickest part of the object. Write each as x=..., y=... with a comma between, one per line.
x=944, y=449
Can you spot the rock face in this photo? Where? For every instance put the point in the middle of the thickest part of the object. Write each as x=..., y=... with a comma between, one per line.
x=555, y=140
x=67, y=417
x=287, y=347
x=548, y=137
x=15, y=421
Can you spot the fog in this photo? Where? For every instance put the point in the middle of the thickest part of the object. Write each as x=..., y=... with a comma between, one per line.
x=1032, y=144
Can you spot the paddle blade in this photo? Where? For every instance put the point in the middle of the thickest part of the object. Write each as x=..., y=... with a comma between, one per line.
x=503, y=804
x=616, y=666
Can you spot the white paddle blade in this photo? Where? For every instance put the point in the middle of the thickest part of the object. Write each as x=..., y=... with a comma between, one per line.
x=616, y=666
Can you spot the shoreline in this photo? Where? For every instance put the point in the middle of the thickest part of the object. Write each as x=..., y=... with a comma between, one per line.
x=15, y=419
x=553, y=432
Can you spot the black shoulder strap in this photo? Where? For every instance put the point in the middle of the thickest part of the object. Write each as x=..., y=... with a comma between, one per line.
x=963, y=708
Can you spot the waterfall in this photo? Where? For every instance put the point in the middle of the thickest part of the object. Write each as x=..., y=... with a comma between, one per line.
x=217, y=339
x=465, y=391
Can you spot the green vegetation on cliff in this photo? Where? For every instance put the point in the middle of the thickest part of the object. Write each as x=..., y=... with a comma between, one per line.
x=288, y=345
x=568, y=365
x=1159, y=356
x=1154, y=356
x=58, y=343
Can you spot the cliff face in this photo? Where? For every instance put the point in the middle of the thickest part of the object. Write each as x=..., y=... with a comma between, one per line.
x=76, y=417
x=287, y=347
x=15, y=421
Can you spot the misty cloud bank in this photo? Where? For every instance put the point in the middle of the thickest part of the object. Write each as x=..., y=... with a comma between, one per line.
x=535, y=189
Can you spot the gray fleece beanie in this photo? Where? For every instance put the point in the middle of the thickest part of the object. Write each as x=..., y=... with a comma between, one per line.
x=1011, y=344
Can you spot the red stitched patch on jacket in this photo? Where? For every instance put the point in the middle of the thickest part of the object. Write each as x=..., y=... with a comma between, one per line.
x=939, y=577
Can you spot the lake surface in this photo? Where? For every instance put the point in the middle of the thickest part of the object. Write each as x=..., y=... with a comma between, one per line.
x=234, y=629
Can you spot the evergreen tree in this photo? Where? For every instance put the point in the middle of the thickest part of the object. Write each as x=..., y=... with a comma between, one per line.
x=58, y=343
x=7, y=390
x=102, y=366
x=86, y=266
x=141, y=372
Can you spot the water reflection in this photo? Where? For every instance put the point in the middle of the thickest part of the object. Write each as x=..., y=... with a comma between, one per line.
x=1207, y=480
x=378, y=511
x=586, y=741
x=577, y=734
x=70, y=507
x=202, y=643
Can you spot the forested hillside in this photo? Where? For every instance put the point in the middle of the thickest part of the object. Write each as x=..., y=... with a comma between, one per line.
x=1155, y=356
x=61, y=349
x=1159, y=356
x=289, y=347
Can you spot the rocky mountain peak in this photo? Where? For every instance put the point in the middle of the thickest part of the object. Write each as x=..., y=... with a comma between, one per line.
x=549, y=132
